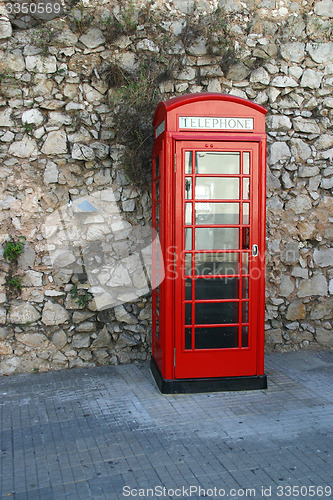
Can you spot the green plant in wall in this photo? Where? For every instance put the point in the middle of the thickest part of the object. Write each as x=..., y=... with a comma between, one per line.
x=42, y=38
x=13, y=248
x=82, y=17
x=135, y=94
x=214, y=29
x=6, y=74
x=137, y=97
x=7, y=81
x=28, y=127
x=124, y=24
x=14, y=285
x=82, y=296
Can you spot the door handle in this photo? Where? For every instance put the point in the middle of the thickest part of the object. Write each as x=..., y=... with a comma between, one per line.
x=254, y=250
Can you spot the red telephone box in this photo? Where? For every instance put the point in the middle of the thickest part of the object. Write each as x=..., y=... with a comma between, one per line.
x=209, y=190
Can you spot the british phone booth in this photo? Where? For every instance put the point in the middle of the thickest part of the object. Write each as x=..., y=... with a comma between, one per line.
x=209, y=164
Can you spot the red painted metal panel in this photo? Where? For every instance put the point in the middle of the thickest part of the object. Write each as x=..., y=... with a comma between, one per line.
x=241, y=361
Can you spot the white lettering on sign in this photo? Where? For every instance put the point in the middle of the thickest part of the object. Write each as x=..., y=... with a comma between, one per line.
x=215, y=123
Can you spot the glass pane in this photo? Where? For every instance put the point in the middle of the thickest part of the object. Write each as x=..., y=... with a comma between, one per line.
x=216, y=263
x=246, y=213
x=245, y=336
x=217, y=188
x=188, y=162
x=246, y=188
x=216, y=163
x=156, y=262
x=188, y=188
x=157, y=213
x=188, y=239
x=188, y=338
x=216, y=238
x=245, y=312
x=216, y=288
x=157, y=305
x=156, y=327
x=216, y=213
x=157, y=190
x=188, y=213
x=211, y=313
x=245, y=263
x=188, y=264
x=157, y=166
x=246, y=238
x=188, y=289
x=246, y=163
x=245, y=288
x=216, y=338
x=188, y=314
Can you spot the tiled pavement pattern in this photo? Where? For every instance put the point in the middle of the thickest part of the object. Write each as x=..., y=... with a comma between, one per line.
x=85, y=434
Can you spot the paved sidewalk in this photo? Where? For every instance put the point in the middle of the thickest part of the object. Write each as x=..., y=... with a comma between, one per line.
x=107, y=433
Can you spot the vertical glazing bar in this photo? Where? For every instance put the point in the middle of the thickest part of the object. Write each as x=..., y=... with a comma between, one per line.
x=193, y=248
x=240, y=253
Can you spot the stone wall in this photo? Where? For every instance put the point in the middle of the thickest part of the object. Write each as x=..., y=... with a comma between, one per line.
x=64, y=189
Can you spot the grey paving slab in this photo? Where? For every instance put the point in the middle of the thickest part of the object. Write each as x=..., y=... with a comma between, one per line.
x=107, y=433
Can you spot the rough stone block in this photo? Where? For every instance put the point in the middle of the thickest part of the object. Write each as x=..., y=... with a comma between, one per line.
x=41, y=64
x=80, y=341
x=5, y=118
x=92, y=38
x=321, y=52
x=4, y=333
x=82, y=152
x=274, y=336
x=55, y=143
x=294, y=51
x=36, y=340
x=238, y=72
x=33, y=116
x=324, y=337
x=21, y=314
x=311, y=79
x=5, y=348
x=317, y=285
x=279, y=151
x=296, y=310
x=59, y=338
x=33, y=278
x=323, y=310
x=323, y=257
x=123, y=316
x=51, y=173
x=324, y=8
x=302, y=203
x=284, y=81
x=279, y=122
x=103, y=339
x=186, y=74
x=148, y=45
x=290, y=253
x=287, y=286
x=54, y=314
x=26, y=148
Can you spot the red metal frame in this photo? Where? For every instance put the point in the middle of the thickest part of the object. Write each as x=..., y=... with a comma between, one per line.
x=168, y=350
x=227, y=361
